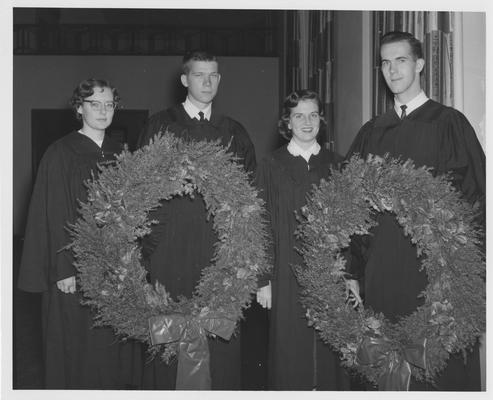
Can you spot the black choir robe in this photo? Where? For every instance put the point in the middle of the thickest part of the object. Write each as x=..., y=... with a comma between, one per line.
x=298, y=359
x=439, y=137
x=76, y=355
x=181, y=244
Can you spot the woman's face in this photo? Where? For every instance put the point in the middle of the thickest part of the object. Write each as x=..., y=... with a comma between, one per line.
x=98, y=109
x=304, y=122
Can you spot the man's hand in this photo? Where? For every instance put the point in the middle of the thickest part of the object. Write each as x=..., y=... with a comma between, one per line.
x=352, y=293
x=67, y=285
x=264, y=296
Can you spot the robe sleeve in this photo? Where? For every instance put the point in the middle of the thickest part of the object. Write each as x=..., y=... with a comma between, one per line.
x=356, y=254
x=151, y=241
x=244, y=147
x=264, y=184
x=463, y=158
x=43, y=259
x=156, y=123
x=359, y=143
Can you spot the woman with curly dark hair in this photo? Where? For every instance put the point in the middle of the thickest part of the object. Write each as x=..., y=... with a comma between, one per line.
x=76, y=355
x=298, y=359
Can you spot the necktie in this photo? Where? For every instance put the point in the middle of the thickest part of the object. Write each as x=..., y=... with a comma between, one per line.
x=201, y=115
x=403, y=113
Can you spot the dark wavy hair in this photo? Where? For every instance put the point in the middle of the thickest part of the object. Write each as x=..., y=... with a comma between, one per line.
x=291, y=102
x=86, y=88
x=196, y=55
x=398, y=36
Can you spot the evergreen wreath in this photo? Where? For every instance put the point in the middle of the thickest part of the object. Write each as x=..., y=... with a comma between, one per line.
x=441, y=225
x=108, y=255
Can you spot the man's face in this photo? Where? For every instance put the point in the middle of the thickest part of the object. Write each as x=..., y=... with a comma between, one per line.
x=202, y=82
x=401, y=70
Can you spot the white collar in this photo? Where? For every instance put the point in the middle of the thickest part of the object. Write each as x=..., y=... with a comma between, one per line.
x=295, y=150
x=418, y=101
x=193, y=111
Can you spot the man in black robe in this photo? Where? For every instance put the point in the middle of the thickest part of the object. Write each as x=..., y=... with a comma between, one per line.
x=181, y=244
x=432, y=135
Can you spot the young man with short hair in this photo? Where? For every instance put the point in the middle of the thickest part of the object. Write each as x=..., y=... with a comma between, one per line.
x=432, y=135
x=181, y=244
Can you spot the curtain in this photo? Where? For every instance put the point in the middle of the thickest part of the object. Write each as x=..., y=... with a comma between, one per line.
x=309, y=56
x=435, y=31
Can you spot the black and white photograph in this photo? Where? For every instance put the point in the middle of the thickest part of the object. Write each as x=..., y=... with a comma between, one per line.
x=251, y=199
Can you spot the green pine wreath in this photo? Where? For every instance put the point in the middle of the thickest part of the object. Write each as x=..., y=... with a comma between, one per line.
x=106, y=236
x=442, y=227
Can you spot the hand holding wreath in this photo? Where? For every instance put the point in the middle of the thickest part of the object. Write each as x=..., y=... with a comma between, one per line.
x=442, y=227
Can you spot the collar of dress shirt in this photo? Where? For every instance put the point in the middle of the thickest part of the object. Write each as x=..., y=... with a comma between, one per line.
x=193, y=111
x=295, y=150
x=418, y=101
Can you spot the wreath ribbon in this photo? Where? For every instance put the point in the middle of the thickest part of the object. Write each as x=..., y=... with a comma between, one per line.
x=442, y=226
x=193, y=372
x=376, y=351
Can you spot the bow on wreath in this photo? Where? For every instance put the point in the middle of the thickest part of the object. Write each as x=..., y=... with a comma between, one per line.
x=193, y=371
x=377, y=351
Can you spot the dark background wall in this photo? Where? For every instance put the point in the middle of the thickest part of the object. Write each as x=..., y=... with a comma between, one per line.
x=248, y=92
x=250, y=85
x=253, y=71
x=350, y=109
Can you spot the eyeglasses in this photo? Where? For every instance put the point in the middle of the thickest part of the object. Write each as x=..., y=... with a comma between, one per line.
x=97, y=105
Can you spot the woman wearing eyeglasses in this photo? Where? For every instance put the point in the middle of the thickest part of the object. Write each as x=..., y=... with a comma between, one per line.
x=76, y=355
